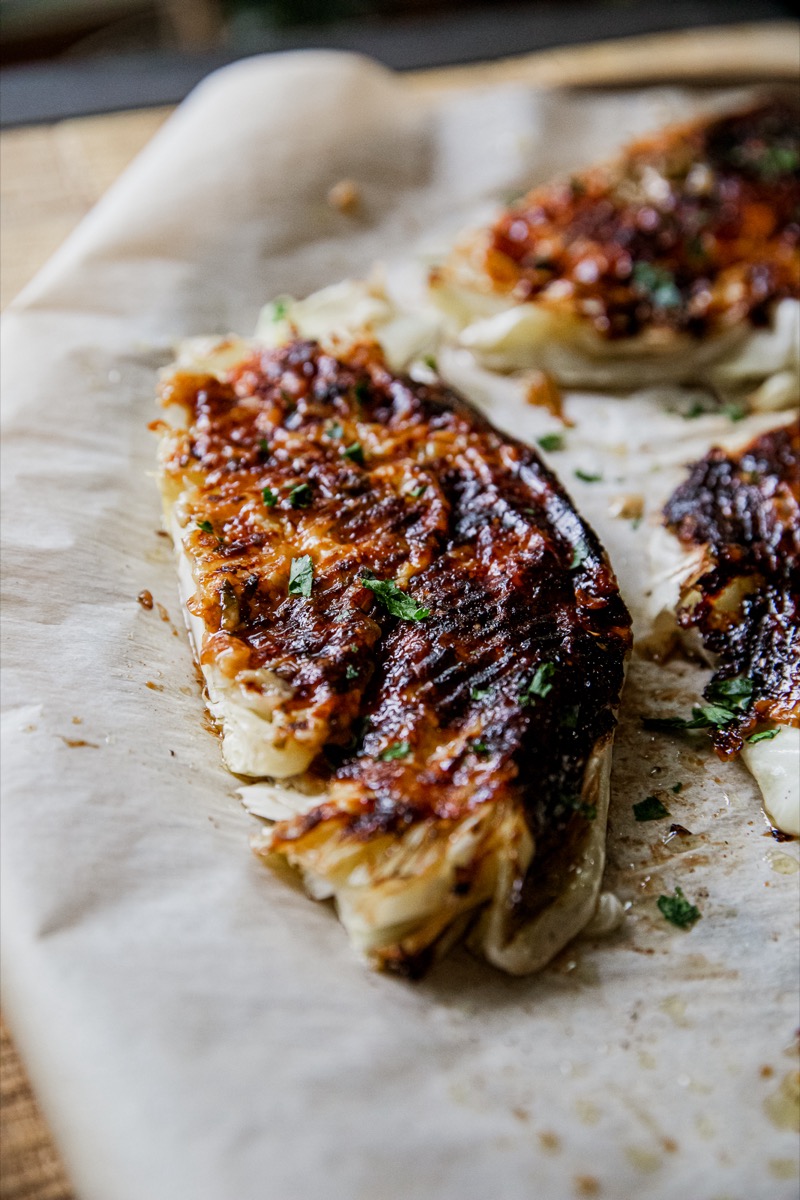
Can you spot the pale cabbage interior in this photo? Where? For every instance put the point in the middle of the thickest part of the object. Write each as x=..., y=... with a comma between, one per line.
x=546, y=335
x=398, y=894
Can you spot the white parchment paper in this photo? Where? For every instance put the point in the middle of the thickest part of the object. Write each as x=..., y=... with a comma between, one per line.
x=195, y=1027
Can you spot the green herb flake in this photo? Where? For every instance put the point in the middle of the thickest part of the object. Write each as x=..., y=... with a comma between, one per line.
x=361, y=391
x=676, y=787
x=280, y=308
x=729, y=697
x=300, y=496
x=551, y=442
x=418, y=491
x=430, y=362
x=712, y=714
x=678, y=910
x=206, y=526
x=396, y=601
x=301, y=576
x=334, y=431
x=579, y=556
x=355, y=452
x=769, y=162
x=480, y=748
x=539, y=686
x=351, y=672
x=479, y=693
x=658, y=284
x=650, y=809
x=733, y=693
x=734, y=412
x=763, y=735
x=263, y=446
x=588, y=476
x=269, y=497
x=398, y=750
x=696, y=410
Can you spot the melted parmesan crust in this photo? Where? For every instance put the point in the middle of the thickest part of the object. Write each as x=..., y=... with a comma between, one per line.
x=658, y=265
x=455, y=760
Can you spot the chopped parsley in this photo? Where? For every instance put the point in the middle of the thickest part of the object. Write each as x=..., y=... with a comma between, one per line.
x=539, y=686
x=650, y=809
x=269, y=497
x=480, y=748
x=551, y=442
x=588, y=476
x=729, y=698
x=704, y=716
x=734, y=412
x=479, y=693
x=301, y=576
x=396, y=601
x=732, y=693
x=361, y=391
x=658, y=284
x=351, y=672
x=579, y=556
x=418, y=491
x=430, y=362
x=280, y=308
x=263, y=446
x=763, y=735
x=206, y=526
x=678, y=910
x=767, y=161
x=300, y=496
x=355, y=452
x=398, y=750
x=334, y=431
x=575, y=804
x=696, y=410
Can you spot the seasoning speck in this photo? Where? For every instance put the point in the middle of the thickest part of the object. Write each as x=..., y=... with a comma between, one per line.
x=345, y=196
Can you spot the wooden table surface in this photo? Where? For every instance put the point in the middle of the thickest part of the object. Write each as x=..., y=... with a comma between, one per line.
x=52, y=175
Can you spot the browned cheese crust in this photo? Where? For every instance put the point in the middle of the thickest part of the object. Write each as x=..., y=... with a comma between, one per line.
x=693, y=230
x=506, y=679
x=745, y=600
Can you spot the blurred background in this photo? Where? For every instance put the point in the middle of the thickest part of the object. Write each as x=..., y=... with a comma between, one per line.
x=63, y=58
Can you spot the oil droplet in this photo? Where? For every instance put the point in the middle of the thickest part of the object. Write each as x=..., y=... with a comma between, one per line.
x=783, y=1106
x=675, y=1008
x=783, y=1168
x=587, y=1112
x=643, y=1160
x=784, y=864
x=550, y=1141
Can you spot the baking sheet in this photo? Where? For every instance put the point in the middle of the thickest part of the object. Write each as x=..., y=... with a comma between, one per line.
x=195, y=1028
